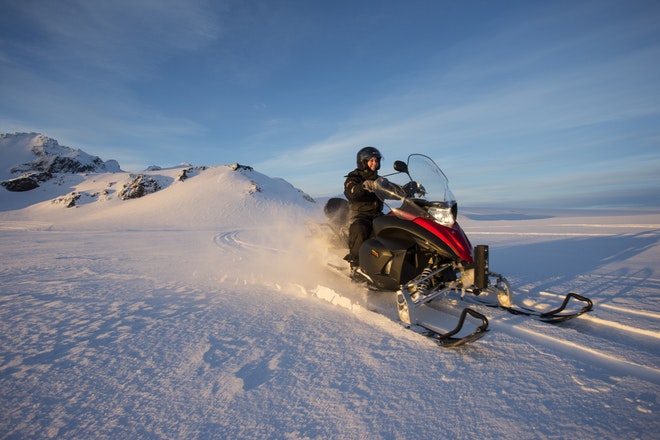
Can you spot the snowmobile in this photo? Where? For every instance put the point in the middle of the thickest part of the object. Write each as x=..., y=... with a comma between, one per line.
x=419, y=250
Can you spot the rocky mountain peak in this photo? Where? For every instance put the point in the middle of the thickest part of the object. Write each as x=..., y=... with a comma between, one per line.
x=34, y=158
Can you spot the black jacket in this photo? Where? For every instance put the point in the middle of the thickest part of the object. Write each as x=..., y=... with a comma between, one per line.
x=362, y=203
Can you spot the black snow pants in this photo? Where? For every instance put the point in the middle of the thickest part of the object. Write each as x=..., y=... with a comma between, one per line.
x=359, y=231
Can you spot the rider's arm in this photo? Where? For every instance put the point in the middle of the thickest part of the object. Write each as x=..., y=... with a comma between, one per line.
x=354, y=191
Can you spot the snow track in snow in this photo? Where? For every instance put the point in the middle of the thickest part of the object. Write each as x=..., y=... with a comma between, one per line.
x=620, y=309
x=620, y=339
x=631, y=331
x=588, y=355
x=243, y=239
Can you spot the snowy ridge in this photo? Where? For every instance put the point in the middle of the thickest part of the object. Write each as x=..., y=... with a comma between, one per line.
x=34, y=152
x=206, y=310
x=213, y=194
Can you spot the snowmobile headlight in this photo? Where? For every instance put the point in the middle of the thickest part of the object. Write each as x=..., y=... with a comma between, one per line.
x=442, y=215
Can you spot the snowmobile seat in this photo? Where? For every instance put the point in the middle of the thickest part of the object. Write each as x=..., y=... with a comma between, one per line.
x=336, y=211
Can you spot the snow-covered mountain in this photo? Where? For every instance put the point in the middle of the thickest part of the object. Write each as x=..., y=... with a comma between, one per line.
x=39, y=171
x=204, y=310
x=28, y=159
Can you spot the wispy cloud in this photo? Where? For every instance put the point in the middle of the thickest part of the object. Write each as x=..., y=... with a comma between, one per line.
x=71, y=66
x=510, y=98
x=535, y=90
x=122, y=37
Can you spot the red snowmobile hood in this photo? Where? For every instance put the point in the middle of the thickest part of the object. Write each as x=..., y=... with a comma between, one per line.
x=453, y=236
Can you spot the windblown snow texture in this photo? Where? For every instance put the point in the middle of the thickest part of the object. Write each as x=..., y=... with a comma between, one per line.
x=204, y=310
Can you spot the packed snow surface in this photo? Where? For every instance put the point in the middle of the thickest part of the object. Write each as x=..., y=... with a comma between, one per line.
x=205, y=310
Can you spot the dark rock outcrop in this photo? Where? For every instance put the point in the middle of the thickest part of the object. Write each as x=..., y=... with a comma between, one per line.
x=140, y=186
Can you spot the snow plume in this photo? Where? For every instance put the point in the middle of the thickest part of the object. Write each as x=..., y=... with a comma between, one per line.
x=264, y=222
x=282, y=248
x=294, y=253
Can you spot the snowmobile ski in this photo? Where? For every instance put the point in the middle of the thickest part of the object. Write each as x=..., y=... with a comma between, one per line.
x=412, y=319
x=552, y=317
x=556, y=315
x=503, y=292
x=419, y=322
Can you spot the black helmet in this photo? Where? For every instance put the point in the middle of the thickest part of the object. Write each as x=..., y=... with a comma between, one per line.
x=365, y=154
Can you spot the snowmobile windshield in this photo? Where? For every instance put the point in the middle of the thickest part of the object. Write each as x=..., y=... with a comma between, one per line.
x=422, y=191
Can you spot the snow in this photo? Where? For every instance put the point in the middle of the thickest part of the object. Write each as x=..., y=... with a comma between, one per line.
x=22, y=152
x=205, y=310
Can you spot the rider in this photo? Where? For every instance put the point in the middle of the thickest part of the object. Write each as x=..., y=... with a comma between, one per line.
x=363, y=204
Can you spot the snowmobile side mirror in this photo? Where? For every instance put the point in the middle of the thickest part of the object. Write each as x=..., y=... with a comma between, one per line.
x=400, y=166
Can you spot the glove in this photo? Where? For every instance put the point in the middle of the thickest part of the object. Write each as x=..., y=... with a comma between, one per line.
x=369, y=185
x=412, y=188
x=409, y=189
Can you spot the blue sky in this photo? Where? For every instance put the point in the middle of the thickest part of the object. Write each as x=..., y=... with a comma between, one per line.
x=525, y=103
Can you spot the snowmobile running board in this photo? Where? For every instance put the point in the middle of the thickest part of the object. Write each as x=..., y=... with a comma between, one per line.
x=408, y=315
